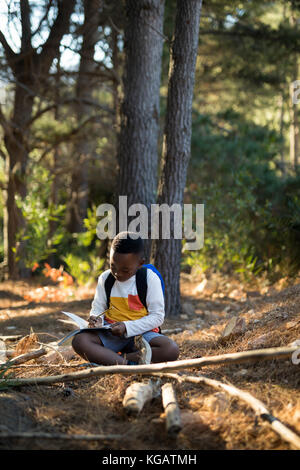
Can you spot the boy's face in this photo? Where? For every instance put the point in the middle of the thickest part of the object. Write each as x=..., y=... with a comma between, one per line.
x=124, y=265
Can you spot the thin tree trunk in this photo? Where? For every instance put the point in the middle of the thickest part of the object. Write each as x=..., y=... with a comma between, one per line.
x=54, y=183
x=281, y=103
x=117, y=65
x=177, y=141
x=17, y=157
x=30, y=70
x=138, y=139
x=116, y=60
x=84, y=93
x=281, y=124
x=294, y=124
x=294, y=131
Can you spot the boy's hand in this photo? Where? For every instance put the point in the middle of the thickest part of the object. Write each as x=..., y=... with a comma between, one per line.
x=118, y=328
x=94, y=322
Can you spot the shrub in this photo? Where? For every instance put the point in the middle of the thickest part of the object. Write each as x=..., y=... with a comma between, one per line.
x=252, y=220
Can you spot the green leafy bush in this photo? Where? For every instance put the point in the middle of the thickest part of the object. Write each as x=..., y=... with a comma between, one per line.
x=83, y=269
x=83, y=262
x=38, y=211
x=251, y=216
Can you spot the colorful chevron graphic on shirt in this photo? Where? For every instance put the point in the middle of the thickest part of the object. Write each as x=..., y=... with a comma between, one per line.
x=122, y=309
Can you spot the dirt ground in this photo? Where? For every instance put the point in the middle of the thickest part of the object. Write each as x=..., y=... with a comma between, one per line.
x=210, y=419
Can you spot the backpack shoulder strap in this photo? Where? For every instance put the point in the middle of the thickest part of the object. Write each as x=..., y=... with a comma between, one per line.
x=153, y=268
x=108, y=285
x=141, y=284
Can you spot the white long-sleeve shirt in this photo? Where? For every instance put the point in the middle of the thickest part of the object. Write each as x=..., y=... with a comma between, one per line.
x=126, y=306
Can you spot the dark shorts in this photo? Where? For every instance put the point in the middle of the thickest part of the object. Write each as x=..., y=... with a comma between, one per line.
x=118, y=344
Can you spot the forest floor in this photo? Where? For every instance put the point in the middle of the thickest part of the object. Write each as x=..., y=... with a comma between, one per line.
x=210, y=419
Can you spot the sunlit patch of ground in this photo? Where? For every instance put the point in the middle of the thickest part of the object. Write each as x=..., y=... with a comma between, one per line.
x=94, y=406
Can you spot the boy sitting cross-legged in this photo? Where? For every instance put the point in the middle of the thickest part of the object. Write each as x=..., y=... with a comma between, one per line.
x=134, y=327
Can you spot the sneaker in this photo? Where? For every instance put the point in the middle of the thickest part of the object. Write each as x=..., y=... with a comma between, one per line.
x=144, y=349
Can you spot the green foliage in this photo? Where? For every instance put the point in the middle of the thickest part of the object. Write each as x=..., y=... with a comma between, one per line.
x=83, y=269
x=88, y=238
x=38, y=212
x=81, y=259
x=51, y=131
x=251, y=215
x=83, y=262
x=247, y=57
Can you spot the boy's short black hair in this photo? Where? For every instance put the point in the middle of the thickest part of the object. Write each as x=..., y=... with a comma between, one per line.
x=128, y=242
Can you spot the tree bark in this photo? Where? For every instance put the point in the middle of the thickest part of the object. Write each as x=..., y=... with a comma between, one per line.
x=17, y=155
x=56, y=157
x=84, y=93
x=294, y=131
x=177, y=141
x=281, y=103
x=294, y=124
x=138, y=139
x=30, y=70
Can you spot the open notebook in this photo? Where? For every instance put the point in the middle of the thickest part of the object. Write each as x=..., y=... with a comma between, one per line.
x=83, y=326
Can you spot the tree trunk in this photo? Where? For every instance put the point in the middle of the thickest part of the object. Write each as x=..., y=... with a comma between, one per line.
x=281, y=126
x=30, y=70
x=84, y=93
x=294, y=125
x=56, y=157
x=294, y=130
x=177, y=141
x=17, y=156
x=116, y=60
x=138, y=138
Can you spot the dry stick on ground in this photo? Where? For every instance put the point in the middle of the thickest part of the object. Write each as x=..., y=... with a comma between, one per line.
x=10, y=337
x=75, y=437
x=173, y=419
x=232, y=358
x=259, y=408
x=55, y=349
x=25, y=357
x=47, y=366
x=137, y=394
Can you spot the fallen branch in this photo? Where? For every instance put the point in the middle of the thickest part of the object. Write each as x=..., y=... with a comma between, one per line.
x=75, y=437
x=173, y=419
x=10, y=337
x=232, y=358
x=46, y=366
x=55, y=349
x=260, y=409
x=25, y=357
